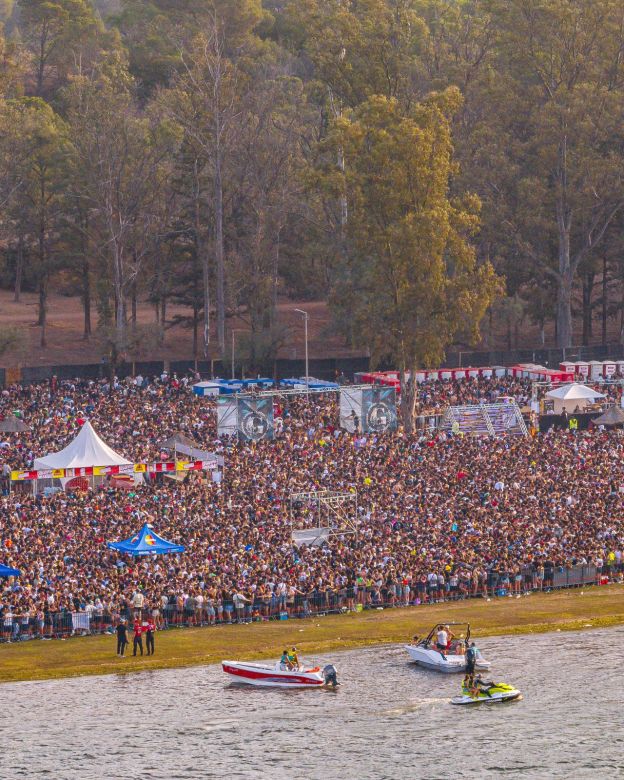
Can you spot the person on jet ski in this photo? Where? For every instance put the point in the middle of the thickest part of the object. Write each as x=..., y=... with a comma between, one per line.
x=483, y=686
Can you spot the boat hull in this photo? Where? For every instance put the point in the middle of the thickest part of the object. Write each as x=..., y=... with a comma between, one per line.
x=272, y=677
x=450, y=664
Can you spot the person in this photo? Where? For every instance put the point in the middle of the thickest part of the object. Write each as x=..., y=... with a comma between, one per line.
x=482, y=686
x=138, y=639
x=293, y=659
x=284, y=661
x=149, y=637
x=122, y=637
x=443, y=639
x=471, y=658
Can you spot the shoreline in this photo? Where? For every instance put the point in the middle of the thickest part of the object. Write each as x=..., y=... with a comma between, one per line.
x=566, y=610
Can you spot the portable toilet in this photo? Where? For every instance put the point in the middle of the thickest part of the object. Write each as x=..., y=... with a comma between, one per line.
x=459, y=373
x=500, y=371
x=567, y=366
x=446, y=373
x=595, y=369
x=473, y=373
x=582, y=368
x=609, y=369
x=486, y=373
x=620, y=367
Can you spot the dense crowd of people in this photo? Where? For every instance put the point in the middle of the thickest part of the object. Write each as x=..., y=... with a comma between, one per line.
x=437, y=516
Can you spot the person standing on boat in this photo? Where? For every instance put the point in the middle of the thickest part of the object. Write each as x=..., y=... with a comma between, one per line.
x=293, y=659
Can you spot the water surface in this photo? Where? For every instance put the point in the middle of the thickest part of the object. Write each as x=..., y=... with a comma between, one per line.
x=388, y=720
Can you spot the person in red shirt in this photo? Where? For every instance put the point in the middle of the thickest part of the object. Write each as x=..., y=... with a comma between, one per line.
x=138, y=638
x=149, y=637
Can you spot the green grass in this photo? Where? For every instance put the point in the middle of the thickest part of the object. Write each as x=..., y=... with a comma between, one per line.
x=564, y=610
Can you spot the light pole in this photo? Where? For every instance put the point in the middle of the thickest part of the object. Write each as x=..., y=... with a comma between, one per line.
x=305, y=331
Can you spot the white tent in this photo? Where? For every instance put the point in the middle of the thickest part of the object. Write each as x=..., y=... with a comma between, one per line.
x=87, y=449
x=569, y=397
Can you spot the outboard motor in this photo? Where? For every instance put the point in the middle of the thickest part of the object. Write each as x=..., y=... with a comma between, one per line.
x=329, y=673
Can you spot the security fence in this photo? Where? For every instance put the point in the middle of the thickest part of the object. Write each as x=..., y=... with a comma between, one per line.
x=64, y=624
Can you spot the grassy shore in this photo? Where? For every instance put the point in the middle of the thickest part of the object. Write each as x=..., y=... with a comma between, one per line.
x=564, y=610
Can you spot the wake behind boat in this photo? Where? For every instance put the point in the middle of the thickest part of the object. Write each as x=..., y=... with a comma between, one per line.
x=444, y=649
x=276, y=676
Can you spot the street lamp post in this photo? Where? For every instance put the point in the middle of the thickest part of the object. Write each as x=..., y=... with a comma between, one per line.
x=307, y=368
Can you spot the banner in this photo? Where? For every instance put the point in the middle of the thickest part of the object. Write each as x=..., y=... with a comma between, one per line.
x=227, y=416
x=131, y=468
x=255, y=418
x=379, y=411
x=351, y=409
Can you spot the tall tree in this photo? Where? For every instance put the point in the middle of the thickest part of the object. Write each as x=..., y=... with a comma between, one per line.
x=412, y=283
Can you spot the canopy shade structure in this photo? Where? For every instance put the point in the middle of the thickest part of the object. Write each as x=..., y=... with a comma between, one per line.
x=146, y=542
x=572, y=398
x=613, y=416
x=7, y=571
x=182, y=444
x=574, y=392
x=87, y=449
x=13, y=424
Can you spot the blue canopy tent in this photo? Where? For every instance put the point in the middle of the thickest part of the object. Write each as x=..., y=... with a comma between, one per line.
x=7, y=571
x=146, y=542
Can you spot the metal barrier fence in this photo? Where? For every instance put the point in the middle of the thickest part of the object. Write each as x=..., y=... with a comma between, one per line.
x=61, y=625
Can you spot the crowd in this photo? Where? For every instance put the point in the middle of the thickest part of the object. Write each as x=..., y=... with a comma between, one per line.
x=438, y=517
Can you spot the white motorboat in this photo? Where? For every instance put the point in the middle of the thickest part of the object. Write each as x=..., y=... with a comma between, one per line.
x=488, y=693
x=276, y=676
x=426, y=653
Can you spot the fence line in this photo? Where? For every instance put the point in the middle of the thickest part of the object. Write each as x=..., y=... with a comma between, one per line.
x=62, y=625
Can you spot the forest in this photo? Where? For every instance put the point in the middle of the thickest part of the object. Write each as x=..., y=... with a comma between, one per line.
x=425, y=166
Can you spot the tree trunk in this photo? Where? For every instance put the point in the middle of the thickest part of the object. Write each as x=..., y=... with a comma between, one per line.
x=163, y=319
x=133, y=305
x=195, y=331
x=203, y=258
x=219, y=249
x=43, y=311
x=564, y=311
x=605, y=301
x=588, y=288
x=19, y=268
x=566, y=271
x=86, y=297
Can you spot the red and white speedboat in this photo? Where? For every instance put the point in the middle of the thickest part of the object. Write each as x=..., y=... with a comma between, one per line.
x=277, y=677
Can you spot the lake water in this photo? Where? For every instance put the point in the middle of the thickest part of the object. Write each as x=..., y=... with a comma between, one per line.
x=388, y=720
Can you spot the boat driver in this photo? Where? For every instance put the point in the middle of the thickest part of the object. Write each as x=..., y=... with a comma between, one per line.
x=284, y=662
x=293, y=659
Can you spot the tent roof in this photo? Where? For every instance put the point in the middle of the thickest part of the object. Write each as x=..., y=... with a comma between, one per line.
x=87, y=449
x=183, y=445
x=178, y=438
x=574, y=392
x=146, y=542
x=13, y=424
x=613, y=416
x=7, y=571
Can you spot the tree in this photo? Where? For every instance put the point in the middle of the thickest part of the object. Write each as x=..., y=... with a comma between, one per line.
x=412, y=283
x=36, y=139
x=123, y=162
x=54, y=31
x=554, y=114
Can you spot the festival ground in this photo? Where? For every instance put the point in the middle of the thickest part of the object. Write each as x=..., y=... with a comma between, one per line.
x=592, y=607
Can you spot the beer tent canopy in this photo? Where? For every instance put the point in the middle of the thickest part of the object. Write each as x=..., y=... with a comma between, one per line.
x=7, y=571
x=87, y=449
x=146, y=542
x=570, y=397
x=613, y=416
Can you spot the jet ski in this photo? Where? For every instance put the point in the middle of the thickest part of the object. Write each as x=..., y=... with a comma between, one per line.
x=487, y=693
